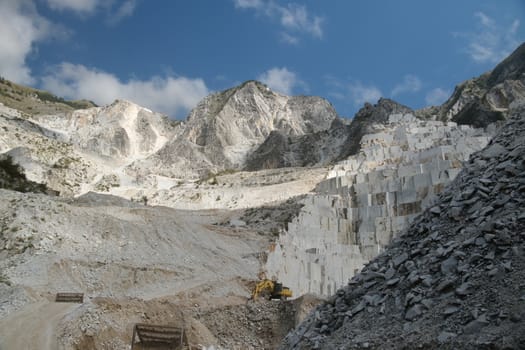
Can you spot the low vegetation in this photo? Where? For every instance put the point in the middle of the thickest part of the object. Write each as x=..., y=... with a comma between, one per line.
x=211, y=177
x=12, y=177
x=33, y=101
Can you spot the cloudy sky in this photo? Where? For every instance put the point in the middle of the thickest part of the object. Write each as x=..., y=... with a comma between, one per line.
x=167, y=55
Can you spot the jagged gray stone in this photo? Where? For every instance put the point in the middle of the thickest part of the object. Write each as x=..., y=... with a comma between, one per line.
x=487, y=98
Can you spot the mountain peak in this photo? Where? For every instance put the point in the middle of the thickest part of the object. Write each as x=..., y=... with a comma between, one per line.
x=379, y=112
x=230, y=123
x=124, y=104
x=254, y=83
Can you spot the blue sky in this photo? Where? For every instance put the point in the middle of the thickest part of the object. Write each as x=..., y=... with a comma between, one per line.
x=167, y=55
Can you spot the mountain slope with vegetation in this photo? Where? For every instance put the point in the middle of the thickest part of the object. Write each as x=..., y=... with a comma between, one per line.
x=34, y=101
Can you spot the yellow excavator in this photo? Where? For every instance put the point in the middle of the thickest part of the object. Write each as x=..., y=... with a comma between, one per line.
x=271, y=290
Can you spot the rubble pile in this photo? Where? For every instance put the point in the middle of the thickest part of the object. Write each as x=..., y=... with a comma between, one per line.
x=454, y=279
x=254, y=325
x=223, y=324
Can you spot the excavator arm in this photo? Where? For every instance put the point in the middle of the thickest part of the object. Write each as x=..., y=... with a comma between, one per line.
x=265, y=286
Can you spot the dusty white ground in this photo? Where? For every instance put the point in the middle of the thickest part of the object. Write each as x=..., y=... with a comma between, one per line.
x=233, y=191
x=109, y=247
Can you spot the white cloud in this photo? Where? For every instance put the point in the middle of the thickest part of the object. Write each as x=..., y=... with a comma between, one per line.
x=359, y=93
x=333, y=82
x=280, y=79
x=80, y=6
x=21, y=27
x=492, y=41
x=125, y=10
x=437, y=96
x=289, y=39
x=410, y=83
x=115, y=10
x=294, y=18
x=255, y=4
x=171, y=95
x=484, y=19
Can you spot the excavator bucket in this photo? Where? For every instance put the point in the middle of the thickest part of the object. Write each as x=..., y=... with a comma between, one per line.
x=69, y=298
x=157, y=336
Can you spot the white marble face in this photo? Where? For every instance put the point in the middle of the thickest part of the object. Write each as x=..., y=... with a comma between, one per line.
x=368, y=199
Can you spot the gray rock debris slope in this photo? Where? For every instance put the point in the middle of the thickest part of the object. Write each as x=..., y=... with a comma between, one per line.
x=368, y=198
x=454, y=279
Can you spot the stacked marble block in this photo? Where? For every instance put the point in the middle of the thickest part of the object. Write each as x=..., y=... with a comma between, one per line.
x=368, y=199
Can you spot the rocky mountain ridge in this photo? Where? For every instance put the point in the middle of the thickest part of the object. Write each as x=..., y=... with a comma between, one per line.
x=486, y=99
x=224, y=129
x=247, y=127
x=178, y=223
x=33, y=101
x=125, y=144
x=236, y=120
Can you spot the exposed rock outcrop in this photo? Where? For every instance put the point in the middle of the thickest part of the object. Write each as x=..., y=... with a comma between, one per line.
x=453, y=279
x=486, y=99
x=325, y=147
x=121, y=132
x=224, y=128
x=42, y=153
x=368, y=198
x=435, y=284
x=315, y=149
x=229, y=124
x=478, y=102
x=222, y=131
x=368, y=120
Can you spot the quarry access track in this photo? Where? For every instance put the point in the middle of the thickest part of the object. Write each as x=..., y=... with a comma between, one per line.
x=34, y=326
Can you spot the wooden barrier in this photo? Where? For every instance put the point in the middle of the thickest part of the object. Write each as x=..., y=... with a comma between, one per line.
x=155, y=335
x=70, y=298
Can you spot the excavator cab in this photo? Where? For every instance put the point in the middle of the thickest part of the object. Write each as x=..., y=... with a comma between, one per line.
x=278, y=288
x=280, y=292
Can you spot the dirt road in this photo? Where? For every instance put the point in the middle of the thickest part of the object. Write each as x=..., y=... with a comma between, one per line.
x=33, y=327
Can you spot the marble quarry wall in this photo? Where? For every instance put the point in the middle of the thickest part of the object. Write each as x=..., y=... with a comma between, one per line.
x=367, y=200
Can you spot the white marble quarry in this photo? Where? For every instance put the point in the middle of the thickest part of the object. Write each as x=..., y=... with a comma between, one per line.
x=367, y=200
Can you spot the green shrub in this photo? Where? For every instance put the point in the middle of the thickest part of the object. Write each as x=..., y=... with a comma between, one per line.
x=12, y=169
